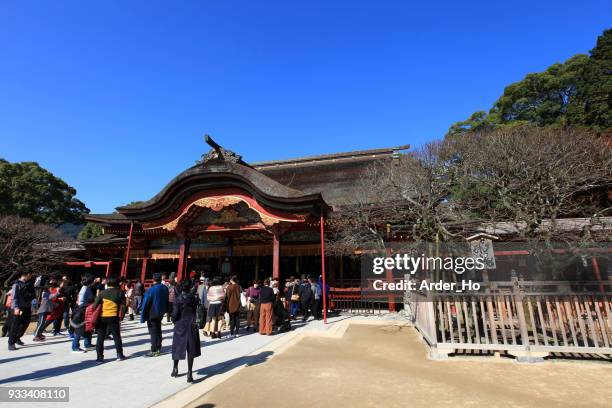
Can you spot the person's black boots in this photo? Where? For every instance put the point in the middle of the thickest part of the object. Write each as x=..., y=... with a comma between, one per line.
x=174, y=369
x=12, y=347
x=189, y=369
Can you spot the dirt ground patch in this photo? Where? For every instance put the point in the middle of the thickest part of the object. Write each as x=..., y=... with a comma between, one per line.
x=387, y=366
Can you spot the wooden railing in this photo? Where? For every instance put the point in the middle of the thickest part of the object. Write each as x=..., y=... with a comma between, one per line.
x=356, y=301
x=526, y=319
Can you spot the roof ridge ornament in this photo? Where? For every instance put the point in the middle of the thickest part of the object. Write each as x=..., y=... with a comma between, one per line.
x=219, y=154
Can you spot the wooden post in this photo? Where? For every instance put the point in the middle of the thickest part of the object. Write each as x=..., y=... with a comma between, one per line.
x=182, y=261
x=143, y=270
x=597, y=274
x=520, y=311
x=389, y=276
x=108, y=266
x=275, y=254
x=324, y=288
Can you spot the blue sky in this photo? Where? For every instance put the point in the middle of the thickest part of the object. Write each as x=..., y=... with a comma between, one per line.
x=115, y=97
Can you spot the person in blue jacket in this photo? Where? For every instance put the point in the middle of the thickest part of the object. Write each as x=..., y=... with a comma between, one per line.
x=154, y=307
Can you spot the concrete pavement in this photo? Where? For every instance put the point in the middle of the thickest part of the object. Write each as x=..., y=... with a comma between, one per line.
x=138, y=381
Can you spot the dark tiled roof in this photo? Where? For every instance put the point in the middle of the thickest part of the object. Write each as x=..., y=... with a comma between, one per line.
x=331, y=176
x=114, y=218
x=334, y=175
x=265, y=184
x=323, y=159
x=104, y=239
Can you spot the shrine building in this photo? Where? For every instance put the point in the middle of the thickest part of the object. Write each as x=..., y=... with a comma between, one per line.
x=224, y=216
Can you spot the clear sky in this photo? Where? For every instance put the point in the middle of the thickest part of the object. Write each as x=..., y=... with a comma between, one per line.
x=115, y=97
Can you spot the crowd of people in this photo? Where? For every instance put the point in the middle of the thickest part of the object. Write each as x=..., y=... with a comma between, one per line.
x=98, y=306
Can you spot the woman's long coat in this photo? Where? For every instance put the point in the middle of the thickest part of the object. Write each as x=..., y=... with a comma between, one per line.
x=186, y=338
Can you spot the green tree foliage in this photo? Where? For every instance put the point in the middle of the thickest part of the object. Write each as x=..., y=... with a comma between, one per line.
x=576, y=93
x=28, y=190
x=91, y=230
x=595, y=92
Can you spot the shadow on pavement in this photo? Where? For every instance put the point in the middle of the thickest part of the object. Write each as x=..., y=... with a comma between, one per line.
x=228, y=365
x=8, y=360
x=51, y=372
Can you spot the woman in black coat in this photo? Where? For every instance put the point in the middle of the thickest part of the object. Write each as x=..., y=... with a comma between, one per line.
x=186, y=339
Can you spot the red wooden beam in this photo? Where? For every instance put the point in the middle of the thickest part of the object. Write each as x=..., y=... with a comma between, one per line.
x=124, y=267
x=89, y=264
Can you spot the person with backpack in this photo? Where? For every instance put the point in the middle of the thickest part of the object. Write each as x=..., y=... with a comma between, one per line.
x=154, y=306
x=111, y=300
x=305, y=293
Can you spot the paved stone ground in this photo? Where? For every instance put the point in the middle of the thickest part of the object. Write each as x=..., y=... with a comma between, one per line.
x=136, y=382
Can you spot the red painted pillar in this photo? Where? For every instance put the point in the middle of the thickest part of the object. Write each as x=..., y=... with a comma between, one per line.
x=143, y=269
x=183, y=256
x=597, y=273
x=324, y=288
x=389, y=276
x=126, y=260
x=275, y=254
x=108, y=266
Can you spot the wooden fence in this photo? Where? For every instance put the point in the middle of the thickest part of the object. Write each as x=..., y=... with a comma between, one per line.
x=526, y=319
x=357, y=301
